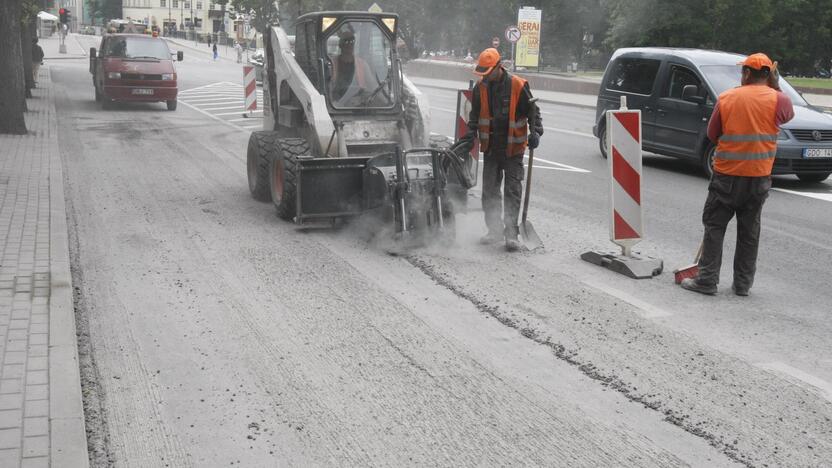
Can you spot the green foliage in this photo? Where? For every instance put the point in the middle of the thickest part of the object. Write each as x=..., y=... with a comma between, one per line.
x=104, y=10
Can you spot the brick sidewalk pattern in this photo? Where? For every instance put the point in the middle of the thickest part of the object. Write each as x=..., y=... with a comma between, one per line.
x=33, y=433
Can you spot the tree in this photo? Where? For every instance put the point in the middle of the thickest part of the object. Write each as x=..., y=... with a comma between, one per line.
x=12, y=91
x=28, y=16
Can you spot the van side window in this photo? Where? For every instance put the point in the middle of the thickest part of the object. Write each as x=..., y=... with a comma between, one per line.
x=633, y=75
x=679, y=78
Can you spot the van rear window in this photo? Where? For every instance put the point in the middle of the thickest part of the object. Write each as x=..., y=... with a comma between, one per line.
x=633, y=75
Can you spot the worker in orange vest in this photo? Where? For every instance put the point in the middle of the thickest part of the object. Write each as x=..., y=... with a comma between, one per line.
x=499, y=118
x=744, y=126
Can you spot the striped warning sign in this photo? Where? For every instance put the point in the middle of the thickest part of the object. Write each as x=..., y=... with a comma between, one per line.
x=626, y=226
x=249, y=88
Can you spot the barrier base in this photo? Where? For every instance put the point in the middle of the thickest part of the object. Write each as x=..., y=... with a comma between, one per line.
x=633, y=266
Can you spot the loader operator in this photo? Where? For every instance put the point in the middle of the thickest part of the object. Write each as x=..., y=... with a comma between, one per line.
x=744, y=126
x=500, y=111
x=351, y=75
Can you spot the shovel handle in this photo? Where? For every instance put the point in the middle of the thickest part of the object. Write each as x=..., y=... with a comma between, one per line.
x=528, y=185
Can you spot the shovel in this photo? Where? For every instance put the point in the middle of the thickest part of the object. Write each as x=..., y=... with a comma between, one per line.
x=528, y=235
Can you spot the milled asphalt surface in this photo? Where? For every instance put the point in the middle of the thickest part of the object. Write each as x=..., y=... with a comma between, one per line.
x=218, y=334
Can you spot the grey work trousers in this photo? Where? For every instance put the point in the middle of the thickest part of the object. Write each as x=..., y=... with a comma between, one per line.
x=729, y=196
x=497, y=166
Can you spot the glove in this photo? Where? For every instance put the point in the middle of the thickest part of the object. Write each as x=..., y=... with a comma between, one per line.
x=534, y=140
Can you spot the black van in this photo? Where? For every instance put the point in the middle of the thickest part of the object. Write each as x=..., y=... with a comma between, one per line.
x=676, y=90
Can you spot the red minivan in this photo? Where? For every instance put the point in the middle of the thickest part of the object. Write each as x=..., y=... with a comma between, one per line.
x=134, y=67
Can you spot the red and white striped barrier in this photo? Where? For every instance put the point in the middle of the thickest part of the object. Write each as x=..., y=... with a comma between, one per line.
x=623, y=129
x=624, y=150
x=249, y=88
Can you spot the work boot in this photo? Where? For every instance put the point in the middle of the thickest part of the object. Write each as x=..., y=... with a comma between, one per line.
x=491, y=238
x=512, y=244
x=693, y=284
x=739, y=291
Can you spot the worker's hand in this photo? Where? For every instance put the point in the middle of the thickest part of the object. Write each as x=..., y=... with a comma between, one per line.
x=774, y=78
x=534, y=140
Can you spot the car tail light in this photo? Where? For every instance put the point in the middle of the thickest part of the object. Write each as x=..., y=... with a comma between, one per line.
x=114, y=75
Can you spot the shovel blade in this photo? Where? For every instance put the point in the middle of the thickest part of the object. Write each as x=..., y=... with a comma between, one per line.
x=529, y=236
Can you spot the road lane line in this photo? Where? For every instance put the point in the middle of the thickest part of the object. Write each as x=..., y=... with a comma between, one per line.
x=818, y=196
x=643, y=309
x=823, y=387
x=571, y=132
x=212, y=116
x=560, y=166
x=241, y=107
x=234, y=113
x=244, y=119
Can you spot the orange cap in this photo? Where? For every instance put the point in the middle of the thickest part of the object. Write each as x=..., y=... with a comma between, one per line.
x=489, y=58
x=757, y=61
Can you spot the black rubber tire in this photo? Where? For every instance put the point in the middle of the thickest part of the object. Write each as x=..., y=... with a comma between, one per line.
x=262, y=148
x=602, y=144
x=171, y=104
x=813, y=178
x=283, y=185
x=707, y=160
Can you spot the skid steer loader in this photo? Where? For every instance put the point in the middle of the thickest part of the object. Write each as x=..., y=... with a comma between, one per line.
x=346, y=134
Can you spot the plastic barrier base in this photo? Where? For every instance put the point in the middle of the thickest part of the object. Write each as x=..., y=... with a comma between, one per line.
x=635, y=267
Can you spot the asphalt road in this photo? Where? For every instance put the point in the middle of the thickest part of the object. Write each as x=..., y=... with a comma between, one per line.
x=215, y=334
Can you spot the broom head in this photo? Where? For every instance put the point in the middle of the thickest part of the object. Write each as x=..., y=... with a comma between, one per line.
x=689, y=271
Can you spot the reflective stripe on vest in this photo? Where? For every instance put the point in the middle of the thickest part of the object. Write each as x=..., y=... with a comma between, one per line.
x=518, y=129
x=748, y=144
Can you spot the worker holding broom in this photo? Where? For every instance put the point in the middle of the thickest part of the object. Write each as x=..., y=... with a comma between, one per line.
x=501, y=110
x=744, y=127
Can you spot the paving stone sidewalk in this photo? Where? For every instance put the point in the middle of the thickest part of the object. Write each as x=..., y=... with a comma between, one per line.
x=41, y=412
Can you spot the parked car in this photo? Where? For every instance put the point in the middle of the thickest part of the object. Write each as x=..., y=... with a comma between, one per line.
x=134, y=67
x=676, y=90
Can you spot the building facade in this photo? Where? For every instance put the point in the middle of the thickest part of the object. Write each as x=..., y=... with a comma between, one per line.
x=177, y=15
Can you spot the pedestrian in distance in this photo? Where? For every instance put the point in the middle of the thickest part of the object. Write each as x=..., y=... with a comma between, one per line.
x=239, y=50
x=215, y=51
x=744, y=127
x=37, y=59
x=499, y=118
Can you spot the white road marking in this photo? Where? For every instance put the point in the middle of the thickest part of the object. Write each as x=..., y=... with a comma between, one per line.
x=571, y=132
x=245, y=119
x=240, y=106
x=214, y=117
x=442, y=109
x=560, y=167
x=822, y=387
x=818, y=196
x=643, y=308
x=233, y=113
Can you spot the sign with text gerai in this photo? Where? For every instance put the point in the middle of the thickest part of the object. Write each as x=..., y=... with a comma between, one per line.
x=528, y=47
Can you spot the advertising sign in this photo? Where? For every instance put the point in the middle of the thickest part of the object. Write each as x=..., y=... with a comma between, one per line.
x=528, y=47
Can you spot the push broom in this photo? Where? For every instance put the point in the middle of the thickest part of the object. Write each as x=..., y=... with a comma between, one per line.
x=689, y=271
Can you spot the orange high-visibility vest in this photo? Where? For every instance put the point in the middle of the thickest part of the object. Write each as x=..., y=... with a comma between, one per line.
x=748, y=143
x=518, y=129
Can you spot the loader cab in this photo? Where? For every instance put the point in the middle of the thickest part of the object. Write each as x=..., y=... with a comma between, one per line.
x=352, y=60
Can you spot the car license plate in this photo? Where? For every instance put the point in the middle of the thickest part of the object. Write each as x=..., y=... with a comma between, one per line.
x=811, y=153
x=143, y=92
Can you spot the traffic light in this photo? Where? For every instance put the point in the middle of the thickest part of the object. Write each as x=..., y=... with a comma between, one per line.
x=64, y=14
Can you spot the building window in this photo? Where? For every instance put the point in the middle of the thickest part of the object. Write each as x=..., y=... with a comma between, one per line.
x=163, y=3
x=187, y=5
x=198, y=5
x=176, y=3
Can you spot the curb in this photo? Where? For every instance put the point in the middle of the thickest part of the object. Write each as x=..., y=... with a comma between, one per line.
x=66, y=411
x=196, y=49
x=541, y=99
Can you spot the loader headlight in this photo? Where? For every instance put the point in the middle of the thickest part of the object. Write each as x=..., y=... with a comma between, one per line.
x=114, y=75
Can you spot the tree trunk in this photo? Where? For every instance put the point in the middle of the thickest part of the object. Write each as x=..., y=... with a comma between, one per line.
x=26, y=35
x=11, y=70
